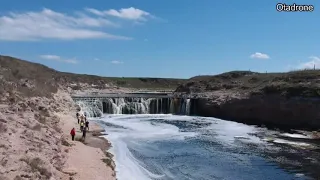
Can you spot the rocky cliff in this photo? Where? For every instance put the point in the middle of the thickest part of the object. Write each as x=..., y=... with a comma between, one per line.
x=286, y=100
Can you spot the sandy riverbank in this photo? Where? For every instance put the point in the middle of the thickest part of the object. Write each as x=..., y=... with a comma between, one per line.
x=35, y=142
x=86, y=160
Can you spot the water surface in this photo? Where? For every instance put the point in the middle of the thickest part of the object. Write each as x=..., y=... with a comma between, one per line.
x=169, y=147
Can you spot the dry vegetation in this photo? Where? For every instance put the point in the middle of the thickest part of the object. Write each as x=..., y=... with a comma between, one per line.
x=297, y=83
x=32, y=79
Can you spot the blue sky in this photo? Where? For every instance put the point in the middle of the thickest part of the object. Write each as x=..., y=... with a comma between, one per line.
x=145, y=38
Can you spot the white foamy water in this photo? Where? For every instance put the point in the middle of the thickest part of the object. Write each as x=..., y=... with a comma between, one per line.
x=170, y=147
x=227, y=131
x=301, y=144
x=135, y=128
x=301, y=136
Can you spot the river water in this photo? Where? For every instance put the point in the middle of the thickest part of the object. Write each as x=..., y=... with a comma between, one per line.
x=170, y=147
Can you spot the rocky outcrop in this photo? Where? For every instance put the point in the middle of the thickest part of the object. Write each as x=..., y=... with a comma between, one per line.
x=274, y=111
x=30, y=138
x=284, y=100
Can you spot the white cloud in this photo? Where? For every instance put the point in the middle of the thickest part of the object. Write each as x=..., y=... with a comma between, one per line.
x=124, y=13
x=258, y=55
x=314, y=61
x=116, y=62
x=95, y=11
x=58, y=58
x=48, y=24
x=50, y=57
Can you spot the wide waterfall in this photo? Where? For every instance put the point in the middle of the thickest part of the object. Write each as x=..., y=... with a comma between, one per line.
x=131, y=105
x=92, y=109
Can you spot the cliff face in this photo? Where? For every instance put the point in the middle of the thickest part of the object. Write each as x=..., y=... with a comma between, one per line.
x=286, y=100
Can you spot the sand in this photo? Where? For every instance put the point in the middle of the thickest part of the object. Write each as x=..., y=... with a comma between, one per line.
x=84, y=160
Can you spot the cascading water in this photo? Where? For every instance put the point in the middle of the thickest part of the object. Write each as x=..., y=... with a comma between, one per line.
x=136, y=106
x=126, y=106
x=92, y=109
x=188, y=106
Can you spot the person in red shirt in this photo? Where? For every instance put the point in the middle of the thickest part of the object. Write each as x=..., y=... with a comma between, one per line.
x=73, y=133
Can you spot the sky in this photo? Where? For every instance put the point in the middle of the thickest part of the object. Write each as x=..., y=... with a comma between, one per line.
x=147, y=38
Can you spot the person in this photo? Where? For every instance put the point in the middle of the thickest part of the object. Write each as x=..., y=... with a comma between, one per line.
x=73, y=133
x=81, y=125
x=87, y=125
x=78, y=116
x=84, y=132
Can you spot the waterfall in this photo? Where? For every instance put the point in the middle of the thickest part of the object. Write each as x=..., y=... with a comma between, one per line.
x=136, y=106
x=126, y=105
x=92, y=109
x=188, y=106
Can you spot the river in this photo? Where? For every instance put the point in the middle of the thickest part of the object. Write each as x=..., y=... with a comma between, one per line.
x=171, y=147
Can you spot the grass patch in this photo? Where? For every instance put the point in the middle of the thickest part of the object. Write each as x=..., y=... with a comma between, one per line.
x=96, y=133
x=3, y=128
x=57, y=128
x=36, y=127
x=65, y=142
x=3, y=178
x=109, y=155
x=18, y=178
x=37, y=165
x=109, y=163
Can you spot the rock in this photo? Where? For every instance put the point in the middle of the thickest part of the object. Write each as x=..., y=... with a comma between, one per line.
x=270, y=110
x=70, y=171
x=285, y=100
x=316, y=134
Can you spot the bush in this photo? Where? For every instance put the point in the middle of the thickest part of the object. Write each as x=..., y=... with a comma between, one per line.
x=3, y=128
x=65, y=142
x=108, y=162
x=37, y=164
x=36, y=127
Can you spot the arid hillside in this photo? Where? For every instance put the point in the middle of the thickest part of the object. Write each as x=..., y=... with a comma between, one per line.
x=33, y=79
x=287, y=100
x=35, y=107
x=304, y=83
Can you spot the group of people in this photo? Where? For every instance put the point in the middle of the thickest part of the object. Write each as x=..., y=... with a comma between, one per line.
x=84, y=125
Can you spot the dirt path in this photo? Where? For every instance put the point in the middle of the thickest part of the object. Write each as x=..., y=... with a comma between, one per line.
x=86, y=161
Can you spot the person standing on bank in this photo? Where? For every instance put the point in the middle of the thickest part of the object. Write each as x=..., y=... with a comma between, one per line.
x=87, y=125
x=84, y=132
x=78, y=116
x=81, y=125
x=73, y=133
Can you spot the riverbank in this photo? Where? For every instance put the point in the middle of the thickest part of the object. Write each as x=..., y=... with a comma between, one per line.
x=88, y=159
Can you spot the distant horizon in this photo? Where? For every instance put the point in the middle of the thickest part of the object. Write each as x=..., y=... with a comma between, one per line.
x=157, y=77
x=168, y=39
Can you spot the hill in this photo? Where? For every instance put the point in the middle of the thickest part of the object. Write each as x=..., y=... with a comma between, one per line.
x=287, y=100
x=303, y=83
x=32, y=79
